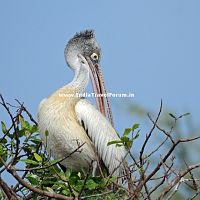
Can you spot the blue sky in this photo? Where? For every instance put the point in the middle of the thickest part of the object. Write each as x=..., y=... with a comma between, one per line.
x=150, y=48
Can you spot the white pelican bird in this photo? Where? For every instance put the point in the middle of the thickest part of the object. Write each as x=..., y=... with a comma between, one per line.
x=71, y=120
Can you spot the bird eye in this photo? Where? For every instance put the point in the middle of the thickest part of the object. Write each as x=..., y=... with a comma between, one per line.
x=94, y=56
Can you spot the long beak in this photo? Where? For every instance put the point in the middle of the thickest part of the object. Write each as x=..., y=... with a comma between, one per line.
x=99, y=89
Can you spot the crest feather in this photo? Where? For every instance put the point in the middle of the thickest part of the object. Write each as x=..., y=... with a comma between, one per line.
x=87, y=34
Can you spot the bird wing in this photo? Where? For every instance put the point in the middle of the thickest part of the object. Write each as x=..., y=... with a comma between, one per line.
x=101, y=132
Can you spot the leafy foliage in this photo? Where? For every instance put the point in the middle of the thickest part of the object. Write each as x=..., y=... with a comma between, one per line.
x=20, y=145
x=125, y=140
x=24, y=157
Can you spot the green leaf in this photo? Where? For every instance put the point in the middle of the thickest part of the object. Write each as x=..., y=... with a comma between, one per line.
x=33, y=179
x=173, y=116
x=3, y=141
x=100, y=181
x=1, y=150
x=30, y=148
x=26, y=125
x=79, y=185
x=125, y=139
x=11, y=136
x=66, y=192
x=34, y=129
x=12, y=143
x=22, y=122
x=135, y=126
x=3, y=127
x=3, y=154
x=48, y=181
x=68, y=173
x=73, y=178
x=46, y=133
x=21, y=132
x=37, y=157
x=185, y=114
x=49, y=189
x=90, y=184
x=35, y=140
x=55, y=161
x=127, y=131
x=136, y=136
x=114, y=142
x=29, y=161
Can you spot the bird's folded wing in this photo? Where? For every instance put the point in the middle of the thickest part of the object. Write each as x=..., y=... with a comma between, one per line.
x=101, y=132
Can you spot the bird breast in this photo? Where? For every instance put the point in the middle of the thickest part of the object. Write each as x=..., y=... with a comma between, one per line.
x=57, y=116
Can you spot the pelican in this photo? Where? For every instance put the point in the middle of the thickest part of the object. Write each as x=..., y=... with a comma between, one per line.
x=72, y=120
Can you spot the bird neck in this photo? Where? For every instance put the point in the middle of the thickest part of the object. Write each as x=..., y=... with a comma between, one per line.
x=81, y=79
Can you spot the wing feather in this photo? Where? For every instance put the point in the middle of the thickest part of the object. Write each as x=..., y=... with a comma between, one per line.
x=101, y=132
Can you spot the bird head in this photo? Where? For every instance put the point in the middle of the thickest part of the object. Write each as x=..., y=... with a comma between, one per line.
x=83, y=43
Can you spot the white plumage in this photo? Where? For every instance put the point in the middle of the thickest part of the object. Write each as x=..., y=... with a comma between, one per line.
x=72, y=121
x=101, y=132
